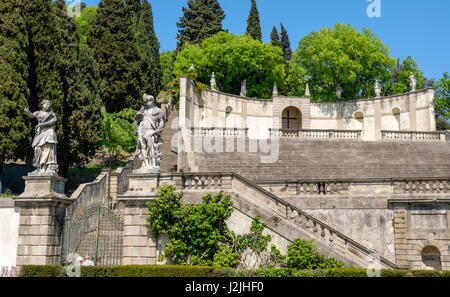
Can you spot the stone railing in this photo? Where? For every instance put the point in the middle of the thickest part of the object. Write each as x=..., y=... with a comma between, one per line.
x=234, y=132
x=413, y=136
x=88, y=194
x=317, y=134
x=434, y=186
x=309, y=187
x=317, y=230
x=119, y=178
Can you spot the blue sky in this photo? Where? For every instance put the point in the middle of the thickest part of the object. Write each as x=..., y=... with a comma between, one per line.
x=417, y=28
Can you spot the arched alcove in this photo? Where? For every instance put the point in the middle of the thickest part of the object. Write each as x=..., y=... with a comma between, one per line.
x=396, y=113
x=228, y=118
x=359, y=116
x=291, y=119
x=431, y=257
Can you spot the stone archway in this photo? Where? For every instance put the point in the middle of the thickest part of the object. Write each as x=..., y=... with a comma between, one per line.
x=431, y=257
x=291, y=119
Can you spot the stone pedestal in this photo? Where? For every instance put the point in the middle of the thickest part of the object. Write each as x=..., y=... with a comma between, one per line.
x=44, y=186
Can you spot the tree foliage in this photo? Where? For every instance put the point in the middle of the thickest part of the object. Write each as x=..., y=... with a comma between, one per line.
x=201, y=19
x=234, y=59
x=442, y=98
x=342, y=56
x=303, y=255
x=112, y=40
x=400, y=81
x=84, y=22
x=275, y=37
x=285, y=45
x=14, y=93
x=118, y=134
x=148, y=48
x=253, y=23
x=167, y=59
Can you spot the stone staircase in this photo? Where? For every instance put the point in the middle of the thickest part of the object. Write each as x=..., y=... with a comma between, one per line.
x=305, y=159
x=169, y=157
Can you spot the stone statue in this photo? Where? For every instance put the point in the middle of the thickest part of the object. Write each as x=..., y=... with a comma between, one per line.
x=377, y=87
x=44, y=142
x=244, y=88
x=412, y=82
x=339, y=92
x=151, y=123
x=213, y=81
x=275, y=89
x=307, y=93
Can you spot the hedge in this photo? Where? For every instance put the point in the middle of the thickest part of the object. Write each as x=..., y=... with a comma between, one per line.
x=198, y=271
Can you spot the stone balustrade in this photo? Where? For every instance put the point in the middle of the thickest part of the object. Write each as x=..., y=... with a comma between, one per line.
x=233, y=132
x=317, y=134
x=413, y=135
x=422, y=186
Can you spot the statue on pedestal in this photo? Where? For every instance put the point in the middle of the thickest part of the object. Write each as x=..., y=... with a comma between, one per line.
x=44, y=142
x=213, y=81
x=377, y=89
x=339, y=92
x=412, y=82
x=151, y=123
x=244, y=88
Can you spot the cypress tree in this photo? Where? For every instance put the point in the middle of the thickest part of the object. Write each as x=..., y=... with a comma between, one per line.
x=285, y=46
x=253, y=23
x=81, y=119
x=275, y=37
x=148, y=48
x=14, y=127
x=113, y=42
x=200, y=20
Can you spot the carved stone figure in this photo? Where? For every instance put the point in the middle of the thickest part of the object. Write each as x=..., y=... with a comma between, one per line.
x=244, y=88
x=412, y=82
x=307, y=93
x=44, y=142
x=151, y=123
x=213, y=81
x=339, y=92
x=377, y=87
x=275, y=89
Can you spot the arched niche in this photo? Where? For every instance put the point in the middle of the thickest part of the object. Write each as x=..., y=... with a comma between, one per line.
x=291, y=119
x=431, y=257
x=396, y=112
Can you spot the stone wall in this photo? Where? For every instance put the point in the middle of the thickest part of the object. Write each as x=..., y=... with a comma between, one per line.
x=9, y=232
x=411, y=112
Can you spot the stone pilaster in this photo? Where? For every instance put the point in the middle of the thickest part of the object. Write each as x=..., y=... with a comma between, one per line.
x=40, y=227
x=401, y=244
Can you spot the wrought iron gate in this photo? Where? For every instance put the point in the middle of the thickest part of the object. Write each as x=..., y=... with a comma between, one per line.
x=97, y=233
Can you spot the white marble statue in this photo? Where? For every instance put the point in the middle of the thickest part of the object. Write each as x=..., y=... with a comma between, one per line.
x=213, y=82
x=307, y=92
x=412, y=82
x=275, y=89
x=377, y=87
x=151, y=123
x=339, y=92
x=244, y=88
x=44, y=142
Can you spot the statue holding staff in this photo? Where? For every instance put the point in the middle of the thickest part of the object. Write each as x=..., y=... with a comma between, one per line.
x=44, y=142
x=151, y=123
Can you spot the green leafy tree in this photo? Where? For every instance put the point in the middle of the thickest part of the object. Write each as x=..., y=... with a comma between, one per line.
x=442, y=102
x=342, y=56
x=167, y=60
x=148, y=48
x=118, y=134
x=234, y=59
x=303, y=255
x=275, y=37
x=84, y=23
x=14, y=127
x=400, y=81
x=112, y=40
x=200, y=20
x=253, y=23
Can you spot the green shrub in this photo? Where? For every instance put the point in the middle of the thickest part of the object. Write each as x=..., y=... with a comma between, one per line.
x=303, y=255
x=42, y=271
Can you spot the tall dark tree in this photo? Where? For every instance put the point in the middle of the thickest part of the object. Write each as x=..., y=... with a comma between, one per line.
x=81, y=118
x=275, y=37
x=285, y=45
x=200, y=20
x=14, y=127
x=253, y=23
x=113, y=42
x=148, y=48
